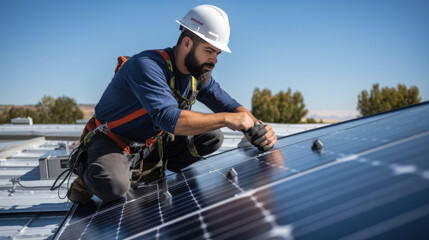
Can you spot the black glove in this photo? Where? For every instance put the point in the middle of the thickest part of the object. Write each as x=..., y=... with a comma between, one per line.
x=256, y=134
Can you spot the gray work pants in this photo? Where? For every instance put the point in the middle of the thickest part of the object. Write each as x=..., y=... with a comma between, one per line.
x=108, y=172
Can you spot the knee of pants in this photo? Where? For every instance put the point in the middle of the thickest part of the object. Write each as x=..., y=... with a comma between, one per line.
x=107, y=185
x=208, y=142
x=107, y=175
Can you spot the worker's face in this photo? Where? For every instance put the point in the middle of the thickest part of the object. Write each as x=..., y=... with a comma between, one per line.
x=201, y=60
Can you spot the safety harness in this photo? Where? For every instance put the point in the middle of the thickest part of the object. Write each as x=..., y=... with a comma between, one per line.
x=94, y=125
x=78, y=157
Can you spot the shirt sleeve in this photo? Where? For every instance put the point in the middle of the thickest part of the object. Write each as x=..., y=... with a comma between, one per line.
x=215, y=98
x=147, y=79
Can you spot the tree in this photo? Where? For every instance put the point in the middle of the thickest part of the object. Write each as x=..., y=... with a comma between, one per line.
x=65, y=110
x=15, y=112
x=43, y=108
x=47, y=110
x=284, y=107
x=386, y=99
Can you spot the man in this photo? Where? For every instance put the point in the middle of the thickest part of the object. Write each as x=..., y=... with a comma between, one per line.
x=145, y=82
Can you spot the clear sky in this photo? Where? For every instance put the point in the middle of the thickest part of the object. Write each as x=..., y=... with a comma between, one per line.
x=328, y=50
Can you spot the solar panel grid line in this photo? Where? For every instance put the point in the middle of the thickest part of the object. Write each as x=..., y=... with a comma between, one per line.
x=203, y=209
x=206, y=235
x=351, y=157
x=238, y=219
x=211, y=189
x=184, y=230
x=298, y=199
x=136, y=219
x=288, y=213
x=103, y=211
x=300, y=203
x=121, y=217
x=211, y=197
x=381, y=147
x=188, y=215
x=188, y=226
x=403, y=155
x=389, y=224
x=164, y=213
x=250, y=178
x=225, y=164
x=110, y=209
x=335, y=128
x=188, y=229
x=171, y=215
x=354, y=206
x=182, y=223
x=396, y=168
x=73, y=231
x=267, y=215
x=230, y=181
x=92, y=217
x=277, y=165
x=159, y=205
x=140, y=214
x=74, y=218
x=340, y=219
x=232, y=213
x=179, y=210
x=99, y=228
x=365, y=123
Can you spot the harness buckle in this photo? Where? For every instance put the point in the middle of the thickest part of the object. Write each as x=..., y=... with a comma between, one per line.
x=102, y=128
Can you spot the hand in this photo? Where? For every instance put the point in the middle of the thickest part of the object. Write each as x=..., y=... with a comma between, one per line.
x=261, y=136
x=269, y=139
x=239, y=121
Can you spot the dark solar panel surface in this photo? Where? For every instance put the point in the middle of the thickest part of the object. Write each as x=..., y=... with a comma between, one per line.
x=371, y=181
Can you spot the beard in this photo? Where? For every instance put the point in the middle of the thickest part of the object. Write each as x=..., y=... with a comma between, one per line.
x=197, y=70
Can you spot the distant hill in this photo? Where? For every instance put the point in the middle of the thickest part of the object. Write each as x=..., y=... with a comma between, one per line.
x=87, y=109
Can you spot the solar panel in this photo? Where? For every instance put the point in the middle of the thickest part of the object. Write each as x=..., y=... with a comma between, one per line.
x=371, y=180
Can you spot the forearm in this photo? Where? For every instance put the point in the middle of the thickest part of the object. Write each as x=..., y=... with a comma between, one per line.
x=192, y=123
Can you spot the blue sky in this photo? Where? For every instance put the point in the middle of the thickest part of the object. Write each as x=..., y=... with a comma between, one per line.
x=328, y=50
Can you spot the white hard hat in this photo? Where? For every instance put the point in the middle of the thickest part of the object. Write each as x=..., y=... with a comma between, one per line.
x=209, y=23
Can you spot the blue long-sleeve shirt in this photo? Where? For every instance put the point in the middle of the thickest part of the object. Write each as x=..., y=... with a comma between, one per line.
x=143, y=82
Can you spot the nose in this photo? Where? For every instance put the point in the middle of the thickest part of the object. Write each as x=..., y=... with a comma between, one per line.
x=213, y=59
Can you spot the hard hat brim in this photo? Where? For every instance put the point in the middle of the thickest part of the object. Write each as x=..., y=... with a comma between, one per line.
x=219, y=45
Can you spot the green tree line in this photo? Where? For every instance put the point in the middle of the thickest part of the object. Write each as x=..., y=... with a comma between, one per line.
x=289, y=107
x=386, y=99
x=283, y=107
x=62, y=110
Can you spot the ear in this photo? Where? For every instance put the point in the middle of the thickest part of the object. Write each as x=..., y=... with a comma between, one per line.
x=187, y=44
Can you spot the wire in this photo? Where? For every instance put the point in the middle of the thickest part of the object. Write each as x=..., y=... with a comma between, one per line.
x=19, y=183
x=67, y=177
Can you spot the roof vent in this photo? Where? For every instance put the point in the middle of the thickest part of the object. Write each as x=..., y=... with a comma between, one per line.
x=22, y=121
